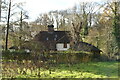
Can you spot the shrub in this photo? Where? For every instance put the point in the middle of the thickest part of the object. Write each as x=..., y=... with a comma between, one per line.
x=18, y=54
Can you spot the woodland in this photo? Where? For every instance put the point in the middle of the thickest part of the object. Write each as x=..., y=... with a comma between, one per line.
x=95, y=23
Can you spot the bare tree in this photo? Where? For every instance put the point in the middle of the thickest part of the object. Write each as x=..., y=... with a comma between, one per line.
x=0, y=9
x=11, y=14
x=76, y=33
x=7, y=32
x=44, y=19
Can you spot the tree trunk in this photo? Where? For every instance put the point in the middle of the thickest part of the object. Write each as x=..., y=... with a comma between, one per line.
x=116, y=24
x=7, y=32
x=0, y=9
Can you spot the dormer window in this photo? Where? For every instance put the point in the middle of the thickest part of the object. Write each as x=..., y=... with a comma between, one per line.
x=56, y=35
x=55, y=39
x=47, y=38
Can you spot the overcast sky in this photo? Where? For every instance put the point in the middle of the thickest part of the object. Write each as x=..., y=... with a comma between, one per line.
x=35, y=7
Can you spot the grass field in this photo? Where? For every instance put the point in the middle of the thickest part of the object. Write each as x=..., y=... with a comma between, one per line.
x=81, y=70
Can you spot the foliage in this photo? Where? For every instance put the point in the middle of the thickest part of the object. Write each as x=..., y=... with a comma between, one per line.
x=81, y=70
x=55, y=56
x=99, y=29
x=15, y=55
x=116, y=23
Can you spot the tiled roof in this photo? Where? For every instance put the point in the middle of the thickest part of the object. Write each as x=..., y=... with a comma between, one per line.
x=57, y=36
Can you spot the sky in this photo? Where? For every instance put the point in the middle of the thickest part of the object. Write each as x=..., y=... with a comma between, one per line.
x=35, y=7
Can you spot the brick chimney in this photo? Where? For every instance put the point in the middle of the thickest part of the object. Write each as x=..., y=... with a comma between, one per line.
x=51, y=28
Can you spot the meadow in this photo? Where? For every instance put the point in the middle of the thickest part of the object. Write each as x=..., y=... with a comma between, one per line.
x=79, y=70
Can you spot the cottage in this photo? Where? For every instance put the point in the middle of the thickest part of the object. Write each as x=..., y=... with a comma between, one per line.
x=60, y=41
x=54, y=40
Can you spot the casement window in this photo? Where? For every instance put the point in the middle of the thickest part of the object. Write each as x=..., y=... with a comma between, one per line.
x=65, y=45
x=54, y=39
x=56, y=35
x=47, y=38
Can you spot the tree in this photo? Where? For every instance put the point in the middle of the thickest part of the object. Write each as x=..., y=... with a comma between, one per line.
x=0, y=9
x=6, y=43
x=55, y=16
x=3, y=10
x=76, y=33
x=105, y=24
x=44, y=19
x=87, y=13
x=116, y=23
x=114, y=20
x=12, y=19
x=84, y=13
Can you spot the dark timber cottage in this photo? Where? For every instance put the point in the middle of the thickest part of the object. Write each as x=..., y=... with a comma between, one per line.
x=60, y=41
x=54, y=40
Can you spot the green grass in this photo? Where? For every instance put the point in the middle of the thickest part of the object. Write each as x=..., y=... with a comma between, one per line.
x=87, y=70
x=82, y=70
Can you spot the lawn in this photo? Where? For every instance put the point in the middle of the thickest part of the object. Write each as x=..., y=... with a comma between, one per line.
x=81, y=70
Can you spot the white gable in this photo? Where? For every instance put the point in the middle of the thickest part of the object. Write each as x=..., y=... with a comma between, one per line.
x=61, y=46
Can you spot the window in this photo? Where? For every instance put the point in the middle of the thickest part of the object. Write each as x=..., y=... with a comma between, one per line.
x=65, y=45
x=47, y=38
x=56, y=35
x=55, y=39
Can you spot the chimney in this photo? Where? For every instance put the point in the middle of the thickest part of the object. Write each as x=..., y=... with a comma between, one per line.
x=51, y=28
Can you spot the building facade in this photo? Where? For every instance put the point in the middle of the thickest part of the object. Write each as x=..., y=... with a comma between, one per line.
x=54, y=40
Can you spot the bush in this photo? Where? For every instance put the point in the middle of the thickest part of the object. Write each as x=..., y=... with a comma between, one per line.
x=72, y=56
x=13, y=55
